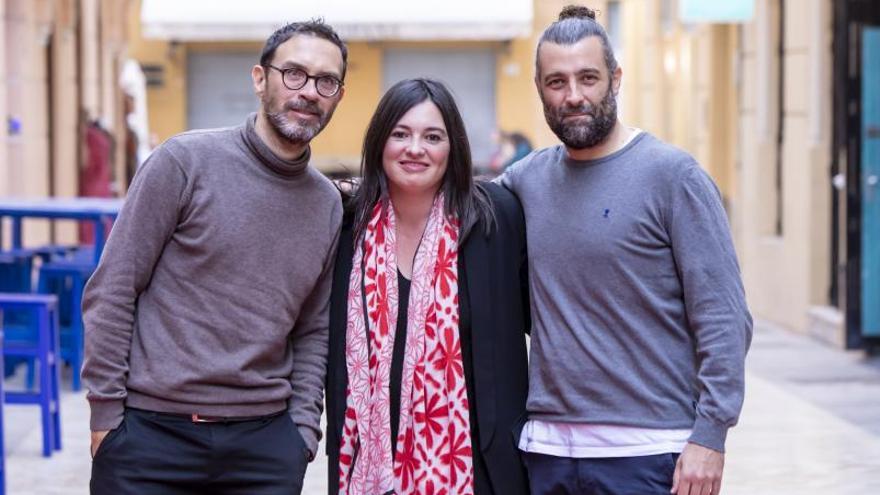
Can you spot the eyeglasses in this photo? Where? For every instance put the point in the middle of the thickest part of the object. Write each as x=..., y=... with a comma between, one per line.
x=295, y=78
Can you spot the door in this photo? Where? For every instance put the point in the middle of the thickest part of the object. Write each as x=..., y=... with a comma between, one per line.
x=470, y=76
x=870, y=181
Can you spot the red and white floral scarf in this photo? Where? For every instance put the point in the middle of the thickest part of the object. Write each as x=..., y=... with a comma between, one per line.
x=433, y=454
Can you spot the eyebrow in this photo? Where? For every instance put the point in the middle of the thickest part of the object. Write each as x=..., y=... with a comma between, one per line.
x=587, y=71
x=429, y=129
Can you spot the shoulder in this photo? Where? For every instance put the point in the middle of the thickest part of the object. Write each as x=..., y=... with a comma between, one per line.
x=324, y=187
x=506, y=208
x=504, y=202
x=192, y=148
x=664, y=158
x=534, y=161
x=199, y=138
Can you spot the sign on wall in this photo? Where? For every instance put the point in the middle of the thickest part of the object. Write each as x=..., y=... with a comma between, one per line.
x=714, y=11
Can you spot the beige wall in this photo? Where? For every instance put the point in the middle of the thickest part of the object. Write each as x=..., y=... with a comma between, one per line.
x=786, y=274
x=42, y=50
x=678, y=83
x=26, y=85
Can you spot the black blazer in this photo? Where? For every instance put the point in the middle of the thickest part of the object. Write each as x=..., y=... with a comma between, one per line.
x=495, y=268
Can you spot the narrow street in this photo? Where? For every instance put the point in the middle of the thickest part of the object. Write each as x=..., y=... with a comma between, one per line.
x=810, y=426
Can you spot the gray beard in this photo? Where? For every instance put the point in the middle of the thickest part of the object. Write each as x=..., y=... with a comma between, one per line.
x=296, y=133
x=587, y=134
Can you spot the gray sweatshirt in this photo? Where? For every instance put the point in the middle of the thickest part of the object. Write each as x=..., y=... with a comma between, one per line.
x=639, y=315
x=212, y=294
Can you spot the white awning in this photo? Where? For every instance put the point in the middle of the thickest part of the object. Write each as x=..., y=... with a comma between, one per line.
x=354, y=20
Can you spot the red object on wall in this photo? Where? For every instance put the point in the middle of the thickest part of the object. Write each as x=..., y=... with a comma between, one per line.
x=94, y=177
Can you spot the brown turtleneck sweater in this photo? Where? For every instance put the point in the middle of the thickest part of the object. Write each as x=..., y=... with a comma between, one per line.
x=212, y=294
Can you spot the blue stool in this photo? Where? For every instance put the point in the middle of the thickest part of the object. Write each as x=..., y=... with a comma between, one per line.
x=67, y=279
x=16, y=267
x=42, y=344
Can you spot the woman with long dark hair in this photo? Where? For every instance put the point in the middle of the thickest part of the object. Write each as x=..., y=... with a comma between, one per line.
x=427, y=377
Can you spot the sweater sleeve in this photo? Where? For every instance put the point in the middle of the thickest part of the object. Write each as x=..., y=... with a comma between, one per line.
x=144, y=226
x=714, y=301
x=310, y=346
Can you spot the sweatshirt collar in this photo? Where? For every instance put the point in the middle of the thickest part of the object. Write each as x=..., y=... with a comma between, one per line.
x=275, y=164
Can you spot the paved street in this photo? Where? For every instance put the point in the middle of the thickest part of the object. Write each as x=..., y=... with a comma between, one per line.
x=811, y=425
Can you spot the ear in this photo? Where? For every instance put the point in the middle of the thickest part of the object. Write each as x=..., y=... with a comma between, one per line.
x=616, y=77
x=341, y=94
x=258, y=75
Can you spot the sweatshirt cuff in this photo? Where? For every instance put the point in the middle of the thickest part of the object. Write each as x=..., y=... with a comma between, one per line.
x=311, y=440
x=106, y=414
x=709, y=434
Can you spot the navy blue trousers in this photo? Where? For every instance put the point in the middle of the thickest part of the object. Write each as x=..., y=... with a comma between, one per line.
x=643, y=475
x=153, y=453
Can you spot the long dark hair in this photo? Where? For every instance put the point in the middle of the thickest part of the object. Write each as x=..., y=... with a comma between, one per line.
x=464, y=199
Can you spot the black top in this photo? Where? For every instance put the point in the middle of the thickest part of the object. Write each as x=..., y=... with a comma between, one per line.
x=403, y=287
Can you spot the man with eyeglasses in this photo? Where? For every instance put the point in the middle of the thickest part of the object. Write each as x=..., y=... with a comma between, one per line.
x=206, y=320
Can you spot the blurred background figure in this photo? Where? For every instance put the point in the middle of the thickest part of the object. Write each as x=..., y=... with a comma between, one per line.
x=510, y=147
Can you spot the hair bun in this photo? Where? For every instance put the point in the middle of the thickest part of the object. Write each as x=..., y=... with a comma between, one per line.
x=577, y=12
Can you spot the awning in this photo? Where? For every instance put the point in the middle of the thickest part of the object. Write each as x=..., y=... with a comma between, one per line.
x=354, y=20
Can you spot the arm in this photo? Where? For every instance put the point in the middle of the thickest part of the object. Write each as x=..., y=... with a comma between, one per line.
x=144, y=226
x=719, y=320
x=310, y=346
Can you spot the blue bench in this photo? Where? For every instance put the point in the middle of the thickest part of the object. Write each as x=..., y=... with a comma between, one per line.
x=42, y=347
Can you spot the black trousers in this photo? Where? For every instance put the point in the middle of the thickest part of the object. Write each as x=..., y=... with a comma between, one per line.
x=644, y=475
x=154, y=453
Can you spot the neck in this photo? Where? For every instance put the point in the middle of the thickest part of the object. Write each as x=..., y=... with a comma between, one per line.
x=615, y=140
x=282, y=147
x=411, y=210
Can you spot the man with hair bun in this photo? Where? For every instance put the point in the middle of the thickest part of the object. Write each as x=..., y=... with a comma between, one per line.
x=640, y=324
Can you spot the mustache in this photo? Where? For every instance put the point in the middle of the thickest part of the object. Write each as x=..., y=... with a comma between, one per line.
x=582, y=109
x=303, y=106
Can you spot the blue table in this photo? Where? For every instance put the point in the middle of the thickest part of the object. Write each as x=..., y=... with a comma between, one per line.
x=95, y=210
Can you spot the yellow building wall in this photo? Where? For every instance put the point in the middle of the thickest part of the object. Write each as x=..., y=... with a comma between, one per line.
x=166, y=104
x=786, y=274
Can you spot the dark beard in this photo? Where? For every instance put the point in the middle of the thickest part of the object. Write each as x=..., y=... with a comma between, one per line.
x=588, y=132
x=296, y=132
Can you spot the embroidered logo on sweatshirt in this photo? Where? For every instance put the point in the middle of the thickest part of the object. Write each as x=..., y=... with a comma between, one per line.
x=606, y=213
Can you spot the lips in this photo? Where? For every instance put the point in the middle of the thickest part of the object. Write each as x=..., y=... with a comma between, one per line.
x=414, y=167
x=576, y=115
x=305, y=114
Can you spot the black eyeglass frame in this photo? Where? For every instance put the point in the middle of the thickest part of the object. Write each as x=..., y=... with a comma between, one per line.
x=284, y=72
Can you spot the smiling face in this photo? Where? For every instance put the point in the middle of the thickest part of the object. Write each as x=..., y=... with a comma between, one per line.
x=578, y=92
x=299, y=115
x=416, y=153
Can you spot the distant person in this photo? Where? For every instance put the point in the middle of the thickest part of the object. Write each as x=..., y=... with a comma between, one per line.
x=521, y=148
x=427, y=371
x=640, y=324
x=207, y=319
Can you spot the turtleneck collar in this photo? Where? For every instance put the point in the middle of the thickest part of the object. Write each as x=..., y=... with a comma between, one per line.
x=275, y=164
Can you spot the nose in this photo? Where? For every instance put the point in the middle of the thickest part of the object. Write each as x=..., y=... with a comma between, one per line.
x=574, y=97
x=415, y=147
x=309, y=91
